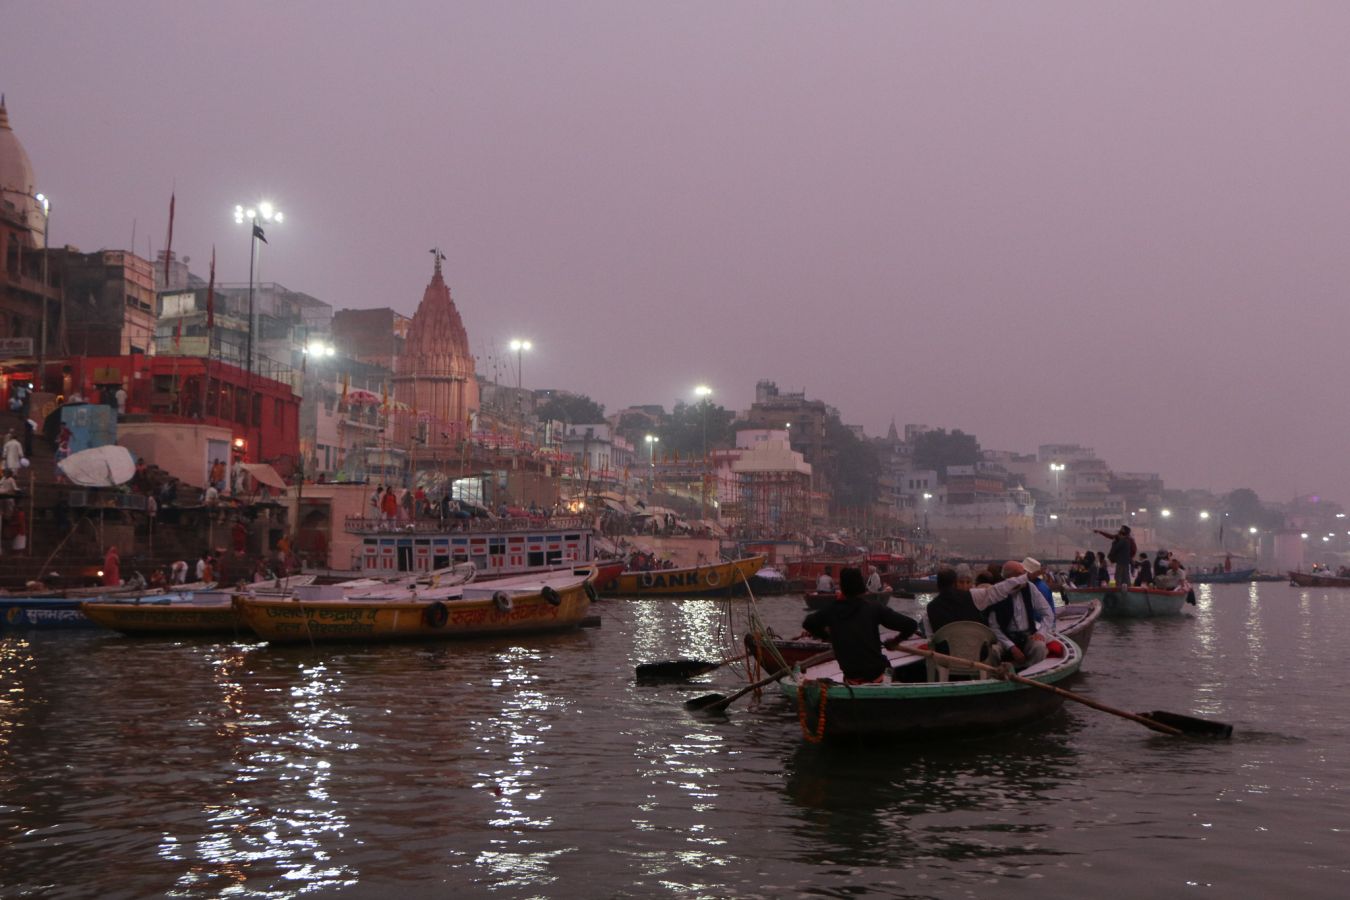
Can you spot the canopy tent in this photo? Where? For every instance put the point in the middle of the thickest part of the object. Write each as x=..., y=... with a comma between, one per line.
x=264, y=474
x=106, y=466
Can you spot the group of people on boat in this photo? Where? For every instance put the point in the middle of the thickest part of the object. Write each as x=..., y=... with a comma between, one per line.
x=1124, y=563
x=1016, y=603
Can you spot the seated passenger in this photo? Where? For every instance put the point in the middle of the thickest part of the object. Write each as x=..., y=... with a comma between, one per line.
x=852, y=626
x=1022, y=621
x=959, y=599
x=825, y=583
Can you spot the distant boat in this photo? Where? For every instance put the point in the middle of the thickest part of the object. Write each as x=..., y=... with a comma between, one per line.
x=684, y=581
x=1236, y=576
x=1133, y=602
x=1305, y=579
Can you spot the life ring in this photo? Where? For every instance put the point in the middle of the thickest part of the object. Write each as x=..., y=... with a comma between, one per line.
x=647, y=579
x=551, y=595
x=591, y=593
x=436, y=615
x=714, y=578
x=502, y=600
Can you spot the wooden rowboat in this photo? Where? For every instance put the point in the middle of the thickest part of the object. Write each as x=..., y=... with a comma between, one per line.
x=1134, y=602
x=715, y=578
x=913, y=707
x=538, y=602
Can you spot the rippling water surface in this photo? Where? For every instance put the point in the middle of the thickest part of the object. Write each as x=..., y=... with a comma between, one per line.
x=537, y=768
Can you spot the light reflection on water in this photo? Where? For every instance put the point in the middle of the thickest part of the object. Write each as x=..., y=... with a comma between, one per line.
x=538, y=768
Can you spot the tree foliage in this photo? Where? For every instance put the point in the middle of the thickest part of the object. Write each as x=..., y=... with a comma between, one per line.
x=574, y=410
x=939, y=449
x=852, y=467
x=683, y=432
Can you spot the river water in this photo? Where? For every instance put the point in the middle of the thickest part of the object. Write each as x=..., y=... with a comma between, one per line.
x=538, y=768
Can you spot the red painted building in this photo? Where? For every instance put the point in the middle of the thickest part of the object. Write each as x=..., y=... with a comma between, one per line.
x=262, y=414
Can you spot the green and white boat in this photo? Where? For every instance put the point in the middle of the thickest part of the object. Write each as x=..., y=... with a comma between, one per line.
x=916, y=702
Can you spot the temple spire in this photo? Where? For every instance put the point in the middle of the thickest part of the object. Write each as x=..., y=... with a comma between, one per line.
x=436, y=252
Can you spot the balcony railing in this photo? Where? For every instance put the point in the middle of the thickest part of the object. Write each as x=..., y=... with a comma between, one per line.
x=371, y=525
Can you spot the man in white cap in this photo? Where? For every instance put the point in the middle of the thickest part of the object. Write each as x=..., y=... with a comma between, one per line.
x=1023, y=620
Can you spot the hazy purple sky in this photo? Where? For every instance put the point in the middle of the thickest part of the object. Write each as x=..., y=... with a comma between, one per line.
x=1117, y=224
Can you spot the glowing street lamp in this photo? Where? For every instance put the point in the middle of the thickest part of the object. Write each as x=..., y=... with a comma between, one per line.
x=1167, y=514
x=1056, y=468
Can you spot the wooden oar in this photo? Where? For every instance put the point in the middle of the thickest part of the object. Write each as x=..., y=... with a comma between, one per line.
x=717, y=702
x=673, y=669
x=1174, y=724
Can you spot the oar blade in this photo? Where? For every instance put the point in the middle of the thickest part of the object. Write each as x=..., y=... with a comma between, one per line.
x=706, y=703
x=1190, y=724
x=674, y=669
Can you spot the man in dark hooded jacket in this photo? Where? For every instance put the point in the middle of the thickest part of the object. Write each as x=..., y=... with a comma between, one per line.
x=852, y=624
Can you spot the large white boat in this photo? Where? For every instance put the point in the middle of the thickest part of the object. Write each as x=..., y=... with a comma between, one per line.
x=496, y=547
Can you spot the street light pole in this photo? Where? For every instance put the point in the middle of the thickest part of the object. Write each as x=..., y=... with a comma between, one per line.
x=42, y=331
x=265, y=212
x=520, y=346
x=704, y=392
x=652, y=440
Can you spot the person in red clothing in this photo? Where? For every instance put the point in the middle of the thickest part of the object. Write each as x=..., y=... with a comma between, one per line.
x=112, y=568
x=389, y=505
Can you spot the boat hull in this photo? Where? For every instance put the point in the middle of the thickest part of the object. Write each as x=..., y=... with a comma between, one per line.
x=184, y=617
x=476, y=612
x=926, y=709
x=43, y=613
x=1133, y=603
x=1304, y=579
x=715, y=579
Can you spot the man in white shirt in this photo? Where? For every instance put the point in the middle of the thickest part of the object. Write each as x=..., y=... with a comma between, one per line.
x=1022, y=621
x=825, y=583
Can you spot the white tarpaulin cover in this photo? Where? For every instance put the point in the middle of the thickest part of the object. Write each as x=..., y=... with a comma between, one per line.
x=265, y=475
x=106, y=466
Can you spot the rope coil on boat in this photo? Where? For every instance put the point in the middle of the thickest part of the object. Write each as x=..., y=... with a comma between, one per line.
x=551, y=594
x=436, y=615
x=502, y=600
x=819, y=734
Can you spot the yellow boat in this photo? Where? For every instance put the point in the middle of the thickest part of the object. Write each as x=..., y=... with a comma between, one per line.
x=183, y=611
x=713, y=578
x=546, y=601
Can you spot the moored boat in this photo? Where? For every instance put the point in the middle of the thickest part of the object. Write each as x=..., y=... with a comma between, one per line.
x=541, y=602
x=911, y=706
x=63, y=612
x=1317, y=579
x=188, y=612
x=1133, y=602
x=711, y=578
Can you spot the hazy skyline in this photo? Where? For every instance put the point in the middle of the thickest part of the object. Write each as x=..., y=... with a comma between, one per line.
x=1115, y=224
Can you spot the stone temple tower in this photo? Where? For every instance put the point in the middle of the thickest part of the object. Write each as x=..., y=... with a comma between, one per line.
x=435, y=388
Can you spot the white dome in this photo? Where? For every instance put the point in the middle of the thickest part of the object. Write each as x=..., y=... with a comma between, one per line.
x=17, y=184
